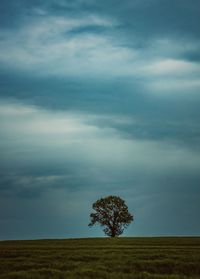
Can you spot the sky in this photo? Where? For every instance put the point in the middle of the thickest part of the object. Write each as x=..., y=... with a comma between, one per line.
x=98, y=98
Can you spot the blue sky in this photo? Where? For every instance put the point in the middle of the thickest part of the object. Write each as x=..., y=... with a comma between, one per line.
x=99, y=98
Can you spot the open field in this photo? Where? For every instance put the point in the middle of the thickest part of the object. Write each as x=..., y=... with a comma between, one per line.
x=136, y=258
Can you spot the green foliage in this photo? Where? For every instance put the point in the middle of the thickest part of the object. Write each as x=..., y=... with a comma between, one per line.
x=101, y=258
x=112, y=214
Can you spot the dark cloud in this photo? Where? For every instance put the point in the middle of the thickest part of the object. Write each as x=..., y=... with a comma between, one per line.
x=142, y=18
x=193, y=56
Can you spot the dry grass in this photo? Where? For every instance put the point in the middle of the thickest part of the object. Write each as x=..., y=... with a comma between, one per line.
x=134, y=258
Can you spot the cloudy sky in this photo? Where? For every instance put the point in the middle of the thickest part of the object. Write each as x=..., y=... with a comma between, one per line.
x=99, y=97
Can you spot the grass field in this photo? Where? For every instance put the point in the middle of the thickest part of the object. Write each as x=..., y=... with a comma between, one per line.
x=175, y=258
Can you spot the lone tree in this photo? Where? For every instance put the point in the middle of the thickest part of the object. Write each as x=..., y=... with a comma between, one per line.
x=112, y=214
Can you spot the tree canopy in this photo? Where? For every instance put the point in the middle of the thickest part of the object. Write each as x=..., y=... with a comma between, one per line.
x=112, y=214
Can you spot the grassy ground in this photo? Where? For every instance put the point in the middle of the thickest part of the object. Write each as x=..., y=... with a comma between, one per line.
x=135, y=258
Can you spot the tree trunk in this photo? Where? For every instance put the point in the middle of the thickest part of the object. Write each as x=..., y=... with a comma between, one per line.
x=113, y=232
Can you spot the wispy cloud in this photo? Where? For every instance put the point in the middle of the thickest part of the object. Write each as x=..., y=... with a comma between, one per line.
x=52, y=45
x=172, y=67
x=72, y=137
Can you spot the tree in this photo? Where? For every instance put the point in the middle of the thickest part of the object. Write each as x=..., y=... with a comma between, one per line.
x=112, y=214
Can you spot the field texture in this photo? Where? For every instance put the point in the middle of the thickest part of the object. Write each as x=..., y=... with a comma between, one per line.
x=175, y=258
